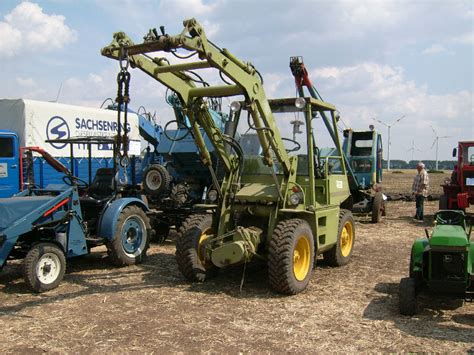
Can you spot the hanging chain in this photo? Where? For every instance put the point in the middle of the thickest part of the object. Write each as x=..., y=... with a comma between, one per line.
x=123, y=98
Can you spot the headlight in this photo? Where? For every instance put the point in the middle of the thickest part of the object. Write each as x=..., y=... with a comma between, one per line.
x=235, y=106
x=300, y=103
x=212, y=195
x=295, y=198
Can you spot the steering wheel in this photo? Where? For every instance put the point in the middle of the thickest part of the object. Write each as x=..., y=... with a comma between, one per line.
x=471, y=159
x=297, y=145
x=74, y=180
x=452, y=218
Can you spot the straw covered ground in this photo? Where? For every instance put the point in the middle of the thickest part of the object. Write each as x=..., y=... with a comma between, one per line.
x=151, y=308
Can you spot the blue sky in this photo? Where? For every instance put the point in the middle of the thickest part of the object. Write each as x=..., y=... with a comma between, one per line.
x=381, y=59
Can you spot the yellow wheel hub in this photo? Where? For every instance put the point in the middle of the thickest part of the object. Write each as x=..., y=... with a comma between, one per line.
x=347, y=239
x=301, y=257
x=201, y=253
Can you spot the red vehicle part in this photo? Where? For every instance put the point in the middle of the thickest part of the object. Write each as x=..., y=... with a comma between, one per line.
x=58, y=166
x=459, y=191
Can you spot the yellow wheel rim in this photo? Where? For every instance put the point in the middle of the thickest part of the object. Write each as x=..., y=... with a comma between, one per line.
x=301, y=257
x=201, y=252
x=347, y=239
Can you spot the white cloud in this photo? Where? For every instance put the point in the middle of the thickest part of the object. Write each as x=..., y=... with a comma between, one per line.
x=10, y=40
x=25, y=82
x=371, y=89
x=211, y=28
x=434, y=49
x=187, y=8
x=466, y=38
x=27, y=28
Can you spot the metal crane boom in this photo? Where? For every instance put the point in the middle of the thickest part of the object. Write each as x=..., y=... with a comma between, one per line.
x=247, y=82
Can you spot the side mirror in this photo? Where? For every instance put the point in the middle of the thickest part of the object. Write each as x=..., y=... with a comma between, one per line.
x=455, y=152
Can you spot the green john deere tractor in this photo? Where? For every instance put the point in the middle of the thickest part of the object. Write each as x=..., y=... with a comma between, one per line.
x=442, y=263
x=280, y=202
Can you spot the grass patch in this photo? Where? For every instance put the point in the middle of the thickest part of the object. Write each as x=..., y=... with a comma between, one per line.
x=435, y=171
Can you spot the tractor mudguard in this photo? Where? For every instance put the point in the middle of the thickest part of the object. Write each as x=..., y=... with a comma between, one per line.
x=417, y=250
x=108, y=220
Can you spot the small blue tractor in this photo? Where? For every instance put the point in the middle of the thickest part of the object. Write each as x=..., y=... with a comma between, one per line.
x=441, y=263
x=44, y=227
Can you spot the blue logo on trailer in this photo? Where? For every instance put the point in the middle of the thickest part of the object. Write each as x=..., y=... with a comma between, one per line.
x=57, y=128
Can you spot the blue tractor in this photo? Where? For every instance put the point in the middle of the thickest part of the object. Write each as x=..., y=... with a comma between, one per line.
x=174, y=179
x=47, y=226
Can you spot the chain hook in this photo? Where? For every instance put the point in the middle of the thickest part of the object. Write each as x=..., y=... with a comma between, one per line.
x=124, y=58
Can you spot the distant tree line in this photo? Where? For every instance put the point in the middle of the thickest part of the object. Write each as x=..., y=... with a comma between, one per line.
x=429, y=164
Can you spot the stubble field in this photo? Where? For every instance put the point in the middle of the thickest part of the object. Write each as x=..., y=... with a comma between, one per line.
x=152, y=308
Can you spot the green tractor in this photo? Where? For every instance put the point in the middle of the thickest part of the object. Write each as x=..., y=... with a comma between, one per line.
x=442, y=263
x=279, y=202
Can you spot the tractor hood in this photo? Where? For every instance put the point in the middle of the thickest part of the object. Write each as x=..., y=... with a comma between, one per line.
x=257, y=192
x=449, y=236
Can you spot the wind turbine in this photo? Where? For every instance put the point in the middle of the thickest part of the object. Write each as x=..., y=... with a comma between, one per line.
x=412, y=149
x=389, y=126
x=436, y=141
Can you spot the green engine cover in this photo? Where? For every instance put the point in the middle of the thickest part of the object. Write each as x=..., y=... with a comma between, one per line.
x=449, y=236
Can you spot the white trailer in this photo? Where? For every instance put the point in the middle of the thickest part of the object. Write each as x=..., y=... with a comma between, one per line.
x=31, y=123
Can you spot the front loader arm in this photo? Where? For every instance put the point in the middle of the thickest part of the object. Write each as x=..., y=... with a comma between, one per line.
x=244, y=75
x=194, y=108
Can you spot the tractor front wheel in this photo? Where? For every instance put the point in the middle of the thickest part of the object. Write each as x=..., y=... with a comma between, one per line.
x=341, y=253
x=291, y=256
x=407, y=296
x=131, y=238
x=44, y=267
x=190, y=253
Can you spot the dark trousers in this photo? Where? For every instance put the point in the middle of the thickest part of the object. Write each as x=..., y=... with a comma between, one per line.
x=420, y=199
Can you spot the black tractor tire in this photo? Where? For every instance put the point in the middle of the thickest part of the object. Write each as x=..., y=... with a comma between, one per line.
x=131, y=237
x=291, y=256
x=189, y=257
x=407, y=296
x=44, y=267
x=341, y=253
x=156, y=180
x=378, y=205
x=443, y=202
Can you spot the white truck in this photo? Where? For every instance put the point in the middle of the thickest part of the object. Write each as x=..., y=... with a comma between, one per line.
x=31, y=123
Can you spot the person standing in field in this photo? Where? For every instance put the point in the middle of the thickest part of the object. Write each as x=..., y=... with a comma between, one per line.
x=420, y=190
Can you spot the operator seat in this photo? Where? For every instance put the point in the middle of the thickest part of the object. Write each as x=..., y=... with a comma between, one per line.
x=103, y=184
x=101, y=189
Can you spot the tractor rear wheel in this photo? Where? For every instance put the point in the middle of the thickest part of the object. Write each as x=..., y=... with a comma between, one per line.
x=291, y=256
x=44, y=267
x=378, y=207
x=131, y=238
x=407, y=296
x=190, y=253
x=443, y=202
x=341, y=253
x=156, y=179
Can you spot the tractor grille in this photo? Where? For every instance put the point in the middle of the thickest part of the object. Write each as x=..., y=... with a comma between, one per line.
x=448, y=265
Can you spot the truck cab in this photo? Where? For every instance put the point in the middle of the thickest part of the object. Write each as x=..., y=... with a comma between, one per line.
x=9, y=164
